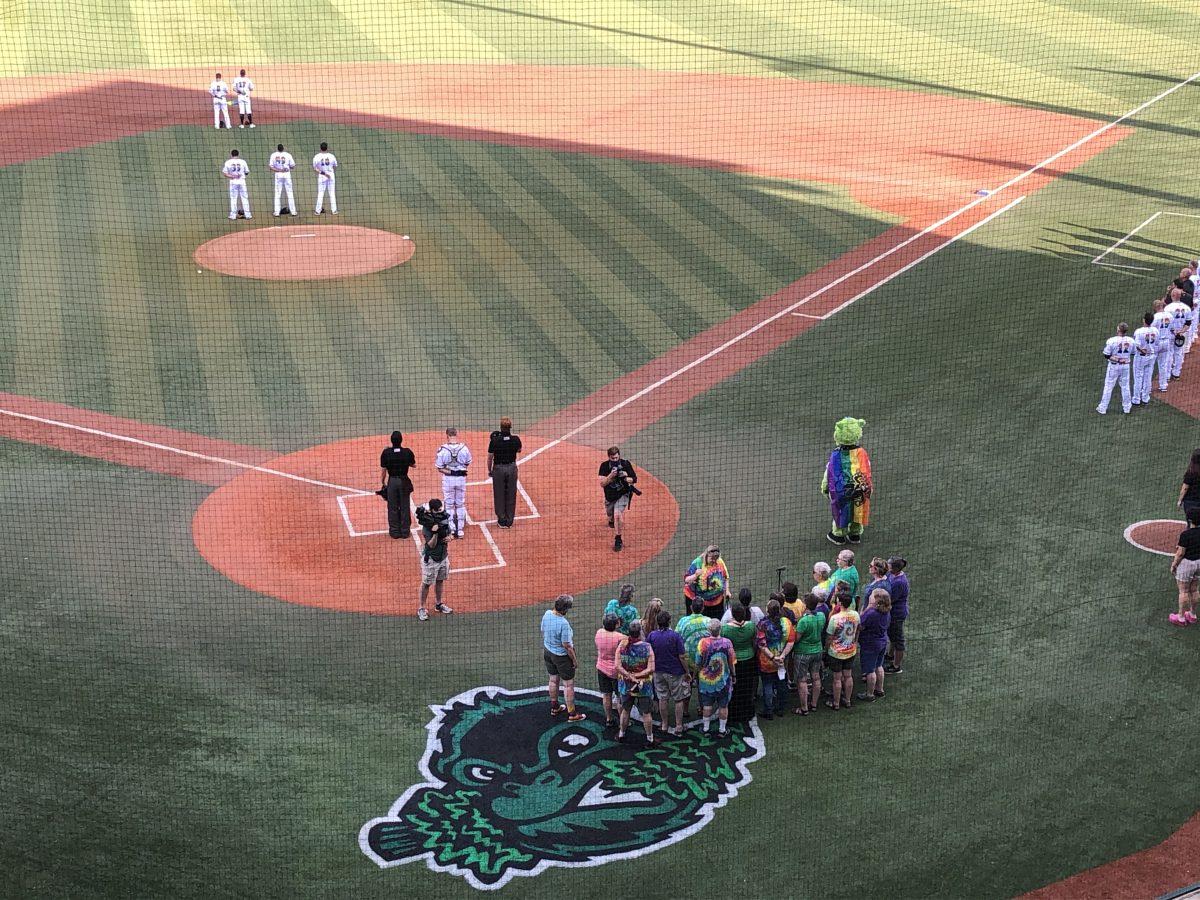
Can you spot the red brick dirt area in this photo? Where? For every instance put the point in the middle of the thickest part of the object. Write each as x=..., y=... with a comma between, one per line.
x=304, y=252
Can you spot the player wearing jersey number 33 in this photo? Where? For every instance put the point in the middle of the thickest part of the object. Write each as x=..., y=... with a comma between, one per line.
x=1118, y=350
x=235, y=169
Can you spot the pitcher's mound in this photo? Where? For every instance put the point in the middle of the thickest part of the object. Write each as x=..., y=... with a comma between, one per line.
x=304, y=252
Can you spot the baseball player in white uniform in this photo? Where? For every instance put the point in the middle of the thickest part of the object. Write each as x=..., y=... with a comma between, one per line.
x=220, y=94
x=1145, y=344
x=242, y=87
x=1181, y=324
x=1118, y=350
x=236, y=170
x=325, y=165
x=452, y=460
x=1162, y=321
x=1195, y=267
x=282, y=164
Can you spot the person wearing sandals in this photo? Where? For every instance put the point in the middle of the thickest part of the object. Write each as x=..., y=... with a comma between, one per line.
x=741, y=633
x=807, y=654
x=635, y=674
x=607, y=641
x=672, y=683
x=774, y=640
x=872, y=642
x=1185, y=566
x=841, y=650
x=898, y=588
x=716, y=676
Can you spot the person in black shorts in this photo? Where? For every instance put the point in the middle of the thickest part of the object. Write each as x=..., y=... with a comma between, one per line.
x=503, y=447
x=395, y=461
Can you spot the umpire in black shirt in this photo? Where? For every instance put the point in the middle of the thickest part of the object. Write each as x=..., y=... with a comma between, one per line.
x=503, y=447
x=395, y=462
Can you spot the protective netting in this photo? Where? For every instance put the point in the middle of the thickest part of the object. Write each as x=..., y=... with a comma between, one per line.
x=701, y=233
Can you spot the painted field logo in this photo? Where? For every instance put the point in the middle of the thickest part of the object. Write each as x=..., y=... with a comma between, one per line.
x=510, y=791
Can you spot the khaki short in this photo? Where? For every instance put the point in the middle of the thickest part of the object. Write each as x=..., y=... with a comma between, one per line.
x=671, y=687
x=432, y=571
x=1188, y=571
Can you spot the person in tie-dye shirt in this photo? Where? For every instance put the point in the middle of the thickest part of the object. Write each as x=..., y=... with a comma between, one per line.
x=843, y=647
x=716, y=660
x=707, y=578
x=774, y=640
x=622, y=607
x=635, y=674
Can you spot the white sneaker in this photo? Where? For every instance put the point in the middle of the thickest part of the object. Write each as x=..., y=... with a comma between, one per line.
x=251, y=124
x=295, y=214
x=459, y=534
x=335, y=212
x=248, y=216
x=423, y=614
x=277, y=215
x=241, y=126
x=233, y=218
x=1101, y=411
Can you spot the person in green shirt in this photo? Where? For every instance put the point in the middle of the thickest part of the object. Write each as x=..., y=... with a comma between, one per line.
x=741, y=632
x=846, y=572
x=807, y=653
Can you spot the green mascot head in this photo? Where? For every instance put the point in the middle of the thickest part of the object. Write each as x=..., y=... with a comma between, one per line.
x=847, y=432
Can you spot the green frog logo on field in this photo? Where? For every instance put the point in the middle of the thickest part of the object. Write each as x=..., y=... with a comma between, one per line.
x=510, y=791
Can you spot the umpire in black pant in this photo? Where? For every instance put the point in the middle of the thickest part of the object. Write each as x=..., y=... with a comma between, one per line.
x=503, y=447
x=395, y=461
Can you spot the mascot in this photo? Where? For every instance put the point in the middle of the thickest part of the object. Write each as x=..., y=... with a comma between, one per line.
x=847, y=482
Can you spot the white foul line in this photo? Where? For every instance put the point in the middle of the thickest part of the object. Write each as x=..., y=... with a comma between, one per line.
x=1124, y=239
x=189, y=453
x=1016, y=179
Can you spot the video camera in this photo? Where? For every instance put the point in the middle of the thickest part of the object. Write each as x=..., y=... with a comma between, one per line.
x=620, y=483
x=436, y=521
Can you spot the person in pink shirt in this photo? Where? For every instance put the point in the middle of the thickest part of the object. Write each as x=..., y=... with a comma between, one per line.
x=607, y=641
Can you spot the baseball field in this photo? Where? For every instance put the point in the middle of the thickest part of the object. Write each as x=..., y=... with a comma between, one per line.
x=702, y=231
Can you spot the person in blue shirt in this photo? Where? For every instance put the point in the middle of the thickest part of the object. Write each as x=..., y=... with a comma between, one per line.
x=558, y=651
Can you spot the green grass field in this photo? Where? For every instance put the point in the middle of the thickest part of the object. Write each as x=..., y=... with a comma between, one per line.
x=170, y=733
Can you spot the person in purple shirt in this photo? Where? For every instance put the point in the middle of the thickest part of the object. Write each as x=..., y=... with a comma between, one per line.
x=872, y=642
x=898, y=588
x=672, y=682
x=879, y=579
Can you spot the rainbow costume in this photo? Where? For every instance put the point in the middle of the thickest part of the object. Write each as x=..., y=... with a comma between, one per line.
x=847, y=482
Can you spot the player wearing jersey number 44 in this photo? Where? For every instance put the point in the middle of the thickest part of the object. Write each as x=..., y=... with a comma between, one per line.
x=325, y=165
x=1118, y=350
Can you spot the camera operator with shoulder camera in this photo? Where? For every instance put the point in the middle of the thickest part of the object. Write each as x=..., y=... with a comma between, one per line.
x=618, y=479
x=435, y=556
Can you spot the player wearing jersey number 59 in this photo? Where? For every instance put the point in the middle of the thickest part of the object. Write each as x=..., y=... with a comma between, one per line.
x=282, y=164
x=1145, y=341
x=325, y=165
x=235, y=169
x=219, y=91
x=1118, y=350
x=242, y=87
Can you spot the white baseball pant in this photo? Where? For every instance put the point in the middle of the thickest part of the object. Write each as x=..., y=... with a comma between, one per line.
x=283, y=182
x=1117, y=372
x=1164, y=363
x=454, y=494
x=1177, y=354
x=243, y=105
x=325, y=183
x=238, y=192
x=220, y=108
x=1143, y=377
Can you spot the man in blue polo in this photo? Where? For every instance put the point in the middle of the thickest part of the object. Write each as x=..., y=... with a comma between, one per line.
x=558, y=652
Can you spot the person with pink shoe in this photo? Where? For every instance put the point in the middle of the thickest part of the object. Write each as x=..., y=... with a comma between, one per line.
x=1185, y=566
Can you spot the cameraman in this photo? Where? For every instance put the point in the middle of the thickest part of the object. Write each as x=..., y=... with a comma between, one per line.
x=617, y=478
x=435, y=556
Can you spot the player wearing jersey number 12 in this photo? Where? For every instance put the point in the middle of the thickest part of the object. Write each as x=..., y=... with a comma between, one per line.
x=1118, y=350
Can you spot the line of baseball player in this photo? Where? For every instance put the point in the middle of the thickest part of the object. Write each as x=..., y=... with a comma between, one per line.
x=1164, y=339
x=243, y=87
x=281, y=163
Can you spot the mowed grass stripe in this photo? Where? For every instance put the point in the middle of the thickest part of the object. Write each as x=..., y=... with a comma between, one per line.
x=621, y=253
x=147, y=257
x=694, y=250
x=484, y=274
x=98, y=34
x=12, y=187
x=427, y=31
x=286, y=28
x=577, y=276
x=566, y=300
x=122, y=299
